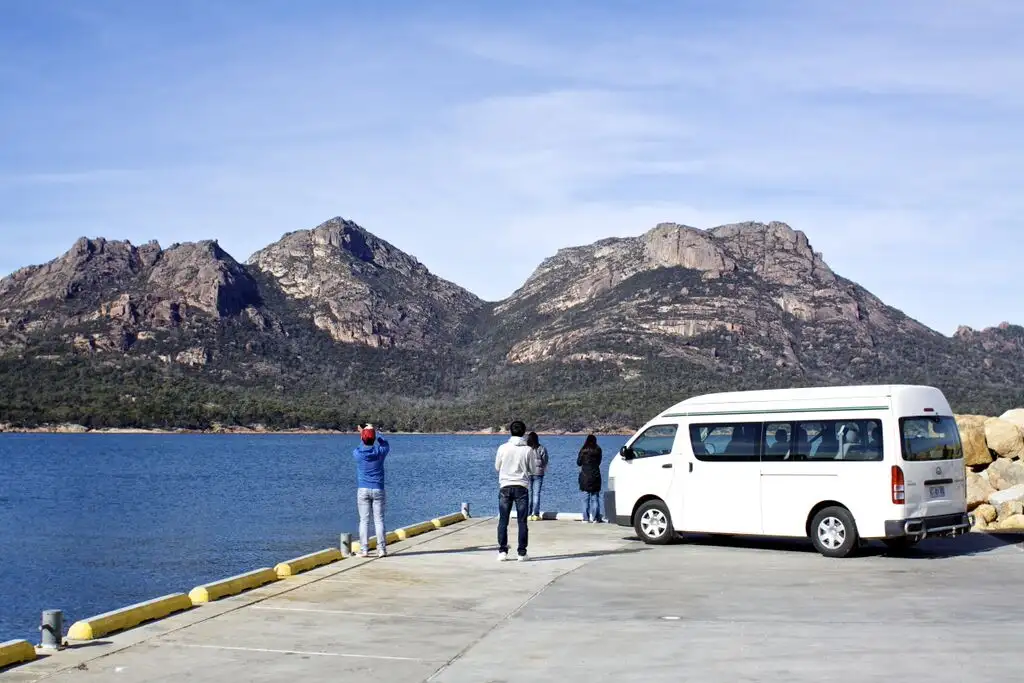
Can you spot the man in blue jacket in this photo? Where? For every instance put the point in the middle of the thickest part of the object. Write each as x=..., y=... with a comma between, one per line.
x=370, y=497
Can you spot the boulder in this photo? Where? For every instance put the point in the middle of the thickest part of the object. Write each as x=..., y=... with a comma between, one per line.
x=71, y=429
x=1016, y=416
x=978, y=490
x=1005, y=474
x=1014, y=523
x=1009, y=509
x=972, y=436
x=970, y=419
x=986, y=513
x=1010, y=494
x=1004, y=438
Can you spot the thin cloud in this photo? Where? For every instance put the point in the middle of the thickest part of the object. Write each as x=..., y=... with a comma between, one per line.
x=887, y=133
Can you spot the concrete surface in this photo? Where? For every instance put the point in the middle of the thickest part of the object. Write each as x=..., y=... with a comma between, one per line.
x=594, y=603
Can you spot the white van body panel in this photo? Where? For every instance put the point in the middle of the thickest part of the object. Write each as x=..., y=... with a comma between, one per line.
x=776, y=497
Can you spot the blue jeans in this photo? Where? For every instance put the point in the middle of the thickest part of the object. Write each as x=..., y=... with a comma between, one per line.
x=536, y=484
x=371, y=500
x=520, y=497
x=589, y=498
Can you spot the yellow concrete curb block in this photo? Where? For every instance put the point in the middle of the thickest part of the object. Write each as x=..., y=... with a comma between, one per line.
x=231, y=586
x=16, y=652
x=371, y=544
x=307, y=562
x=127, y=617
x=414, y=530
x=448, y=520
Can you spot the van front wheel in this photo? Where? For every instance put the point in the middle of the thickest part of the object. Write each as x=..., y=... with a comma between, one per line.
x=833, y=532
x=653, y=524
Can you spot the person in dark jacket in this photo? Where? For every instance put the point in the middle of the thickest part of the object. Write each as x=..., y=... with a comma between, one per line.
x=589, y=462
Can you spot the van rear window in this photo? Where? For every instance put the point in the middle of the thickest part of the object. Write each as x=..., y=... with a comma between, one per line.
x=930, y=438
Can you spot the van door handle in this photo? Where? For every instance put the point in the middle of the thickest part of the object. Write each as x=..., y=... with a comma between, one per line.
x=667, y=466
x=691, y=467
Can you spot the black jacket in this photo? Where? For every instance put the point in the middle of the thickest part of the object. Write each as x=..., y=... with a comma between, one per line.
x=589, y=462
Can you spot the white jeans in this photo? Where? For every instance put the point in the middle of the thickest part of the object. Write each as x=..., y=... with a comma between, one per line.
x=371, y=500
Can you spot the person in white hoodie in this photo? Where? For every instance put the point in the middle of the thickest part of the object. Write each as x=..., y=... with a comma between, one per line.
x=515, y=462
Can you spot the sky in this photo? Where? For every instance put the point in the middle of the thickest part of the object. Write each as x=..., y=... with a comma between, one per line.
x=482, y=137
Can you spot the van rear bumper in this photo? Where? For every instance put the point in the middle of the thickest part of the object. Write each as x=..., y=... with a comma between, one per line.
x=923, y=527
x=609, y=511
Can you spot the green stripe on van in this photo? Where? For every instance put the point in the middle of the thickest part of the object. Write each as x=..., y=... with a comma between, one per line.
x=775, y=411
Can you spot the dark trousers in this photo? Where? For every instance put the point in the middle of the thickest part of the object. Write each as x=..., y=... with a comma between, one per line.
x=520, y=496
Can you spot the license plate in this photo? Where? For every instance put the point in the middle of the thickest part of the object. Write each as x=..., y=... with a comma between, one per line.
x=937, y=492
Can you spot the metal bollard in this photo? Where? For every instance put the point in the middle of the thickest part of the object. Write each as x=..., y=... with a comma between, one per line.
x=465, y=510
x=346, y=545
x=52, y=629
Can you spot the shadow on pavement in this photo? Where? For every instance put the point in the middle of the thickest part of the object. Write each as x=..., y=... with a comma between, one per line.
x=493, y=548
x=445, y=551
x=584, y=555
x=928, y=549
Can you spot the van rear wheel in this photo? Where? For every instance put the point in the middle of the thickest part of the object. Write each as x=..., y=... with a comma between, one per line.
x=653, y=524
x=833, y=532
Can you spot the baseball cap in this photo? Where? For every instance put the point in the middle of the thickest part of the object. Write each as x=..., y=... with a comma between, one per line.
x=368, y=433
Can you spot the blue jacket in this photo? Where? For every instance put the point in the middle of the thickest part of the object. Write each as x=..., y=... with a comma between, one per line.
x=370, y=464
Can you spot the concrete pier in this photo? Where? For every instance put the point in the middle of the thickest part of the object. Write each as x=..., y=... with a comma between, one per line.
x=593, y=603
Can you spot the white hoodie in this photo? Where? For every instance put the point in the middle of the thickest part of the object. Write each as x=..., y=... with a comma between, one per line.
x=514, y=463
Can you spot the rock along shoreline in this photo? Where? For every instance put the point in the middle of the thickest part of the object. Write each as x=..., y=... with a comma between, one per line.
x=252, y=431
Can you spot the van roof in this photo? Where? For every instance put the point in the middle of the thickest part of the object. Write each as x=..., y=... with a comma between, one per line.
x=878, y=391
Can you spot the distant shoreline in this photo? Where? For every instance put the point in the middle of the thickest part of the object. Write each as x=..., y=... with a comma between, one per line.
x=249, y=431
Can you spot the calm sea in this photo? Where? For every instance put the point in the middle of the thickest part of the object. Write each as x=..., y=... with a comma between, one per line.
x=90, y=523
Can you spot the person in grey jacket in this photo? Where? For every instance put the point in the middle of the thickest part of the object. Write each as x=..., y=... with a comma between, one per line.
x=540, y=456
x=514, y=463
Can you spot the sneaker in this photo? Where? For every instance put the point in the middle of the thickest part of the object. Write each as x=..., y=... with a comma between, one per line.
x=524, y=558
x=363, y=554
x=585, y=521
x=502, y=557
x=382, y=553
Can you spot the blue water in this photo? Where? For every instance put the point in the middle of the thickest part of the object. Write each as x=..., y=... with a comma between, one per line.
x=90, y=523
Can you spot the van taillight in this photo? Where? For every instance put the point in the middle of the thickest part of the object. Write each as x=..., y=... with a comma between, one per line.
x=899, y=488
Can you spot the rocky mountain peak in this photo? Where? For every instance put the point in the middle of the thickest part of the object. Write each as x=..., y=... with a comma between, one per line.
x=339, y=233
x=676, y=289
x=202, y=275
x=775, y=252
x=361, y=289
x=118, y=289
x=90, y=263
x=1003, y=338
x=670, y=245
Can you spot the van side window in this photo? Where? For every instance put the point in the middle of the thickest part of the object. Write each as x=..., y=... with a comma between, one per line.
x=656, y=440
x=778, y=441
x=726, y=442
x=837, y=440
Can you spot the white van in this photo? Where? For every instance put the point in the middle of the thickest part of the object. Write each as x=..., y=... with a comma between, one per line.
x=839, y=465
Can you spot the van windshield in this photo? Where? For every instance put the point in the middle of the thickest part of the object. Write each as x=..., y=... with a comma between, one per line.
x=930, y=438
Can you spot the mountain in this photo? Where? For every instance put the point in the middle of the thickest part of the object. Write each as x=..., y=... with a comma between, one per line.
x=329, y=325
x=362, y=290
x=677, y=291
x=110, y=295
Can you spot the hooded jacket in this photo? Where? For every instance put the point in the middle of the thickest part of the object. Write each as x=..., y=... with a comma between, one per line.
x=515, y=462
x=370, y=464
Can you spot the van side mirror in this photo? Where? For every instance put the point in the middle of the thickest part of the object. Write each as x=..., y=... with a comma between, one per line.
x=627, y=453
